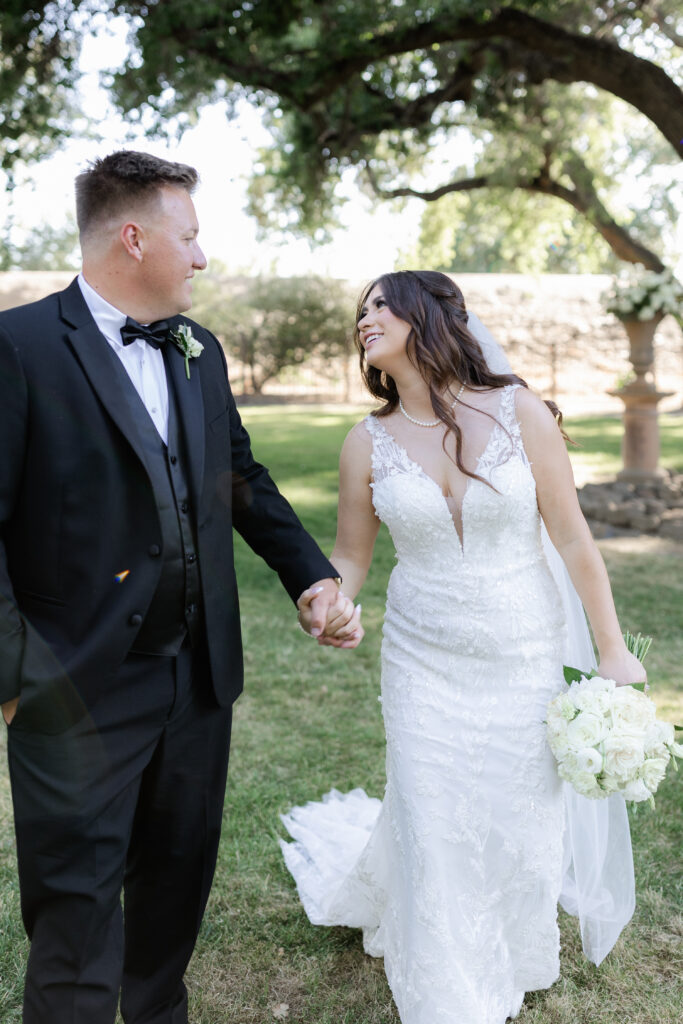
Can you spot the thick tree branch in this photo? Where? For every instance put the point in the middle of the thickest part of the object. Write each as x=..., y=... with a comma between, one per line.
x=388, y=114
x=311, y=78
x=584, y=200
x=575, y=58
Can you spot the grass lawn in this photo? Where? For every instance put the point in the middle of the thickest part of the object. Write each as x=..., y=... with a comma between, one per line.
x=309, y=720
x=600, y=439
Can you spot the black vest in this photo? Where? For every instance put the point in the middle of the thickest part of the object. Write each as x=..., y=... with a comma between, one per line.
x=175, y=610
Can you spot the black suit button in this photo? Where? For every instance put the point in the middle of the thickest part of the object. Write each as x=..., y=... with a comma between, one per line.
x=154, y=550
x=191, y=558
x=135, y=619
x=184, y=506
x=173, y=459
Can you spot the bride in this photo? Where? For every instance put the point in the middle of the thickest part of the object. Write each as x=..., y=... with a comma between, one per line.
x=456, y=875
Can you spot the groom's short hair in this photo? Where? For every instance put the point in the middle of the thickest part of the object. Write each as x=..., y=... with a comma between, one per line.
x=114, y=183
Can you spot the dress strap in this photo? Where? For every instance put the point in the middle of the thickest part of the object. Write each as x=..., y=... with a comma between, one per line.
x=388, y=457
x=508, y=419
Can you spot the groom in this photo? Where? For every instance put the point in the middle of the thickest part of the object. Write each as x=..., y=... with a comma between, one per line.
x=124, y=468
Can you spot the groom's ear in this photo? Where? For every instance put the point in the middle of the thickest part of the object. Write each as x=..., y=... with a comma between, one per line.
x=132, y=239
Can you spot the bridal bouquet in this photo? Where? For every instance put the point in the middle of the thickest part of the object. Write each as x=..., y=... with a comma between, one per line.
x=607, y=739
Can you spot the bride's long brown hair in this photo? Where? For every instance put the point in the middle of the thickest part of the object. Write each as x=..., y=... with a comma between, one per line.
x=439, y=345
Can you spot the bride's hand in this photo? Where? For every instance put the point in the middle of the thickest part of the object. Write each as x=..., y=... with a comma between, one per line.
x=343, y=628
x=623, y=667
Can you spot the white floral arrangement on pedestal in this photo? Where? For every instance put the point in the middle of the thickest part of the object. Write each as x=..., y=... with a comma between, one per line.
x=607, y=738
x=645, y=295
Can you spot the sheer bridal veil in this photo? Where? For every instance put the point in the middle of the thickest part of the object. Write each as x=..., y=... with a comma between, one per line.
x=598, y=883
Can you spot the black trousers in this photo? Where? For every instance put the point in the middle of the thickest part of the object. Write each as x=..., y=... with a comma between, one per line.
x=129, y=800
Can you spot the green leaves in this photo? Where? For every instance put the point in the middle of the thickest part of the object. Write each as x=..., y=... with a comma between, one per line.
x=39, y=43
x=271, y=324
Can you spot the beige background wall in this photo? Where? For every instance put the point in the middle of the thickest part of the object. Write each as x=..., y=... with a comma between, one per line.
x=553, y=328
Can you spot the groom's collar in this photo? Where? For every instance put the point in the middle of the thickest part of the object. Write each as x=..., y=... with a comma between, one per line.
x=73, y=307
x=108, y=318
x=76, y=312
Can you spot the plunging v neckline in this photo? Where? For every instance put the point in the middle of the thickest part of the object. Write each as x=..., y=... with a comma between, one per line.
x=459, y=534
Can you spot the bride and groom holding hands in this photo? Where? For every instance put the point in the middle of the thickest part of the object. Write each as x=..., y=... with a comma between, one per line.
x=125, y=467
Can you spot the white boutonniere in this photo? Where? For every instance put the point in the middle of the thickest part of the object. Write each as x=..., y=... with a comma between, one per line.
x=183, y=338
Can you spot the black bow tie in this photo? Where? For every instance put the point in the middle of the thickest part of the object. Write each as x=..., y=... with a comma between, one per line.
x=154, y=334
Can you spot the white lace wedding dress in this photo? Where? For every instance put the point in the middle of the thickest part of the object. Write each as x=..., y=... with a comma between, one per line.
x=455, y=876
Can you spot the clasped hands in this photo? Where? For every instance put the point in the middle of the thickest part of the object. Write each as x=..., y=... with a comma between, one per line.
x=327, y=614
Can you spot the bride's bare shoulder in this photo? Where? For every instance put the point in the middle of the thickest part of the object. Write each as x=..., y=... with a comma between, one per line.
x=532, y=411
x=540, y=432
x=358, y=442
x=361, y=434
x=355, y=460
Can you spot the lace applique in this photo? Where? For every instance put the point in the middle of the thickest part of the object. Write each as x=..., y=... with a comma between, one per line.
x=388, y=456
x=506, y=437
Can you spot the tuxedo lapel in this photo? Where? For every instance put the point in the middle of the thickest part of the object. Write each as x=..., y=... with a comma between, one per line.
x=103, y=369
x=190, y=405
x=99, y=363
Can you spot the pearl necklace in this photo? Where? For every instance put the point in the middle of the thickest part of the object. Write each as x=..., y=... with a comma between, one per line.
x=423, y=423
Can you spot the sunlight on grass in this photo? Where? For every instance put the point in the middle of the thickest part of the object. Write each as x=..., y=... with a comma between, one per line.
x=303, y=495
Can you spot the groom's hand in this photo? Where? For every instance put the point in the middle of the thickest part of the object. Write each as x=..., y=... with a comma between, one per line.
x=315, y=604
x=341, y=627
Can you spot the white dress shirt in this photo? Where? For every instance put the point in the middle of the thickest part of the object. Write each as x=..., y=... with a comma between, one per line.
x=143, y=363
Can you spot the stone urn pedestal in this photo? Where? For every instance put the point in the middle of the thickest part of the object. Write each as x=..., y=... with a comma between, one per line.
x=640, y=443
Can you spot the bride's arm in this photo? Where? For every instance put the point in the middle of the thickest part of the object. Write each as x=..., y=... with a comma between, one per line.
x=357, y=528
x=357, y=524
x=559, y=506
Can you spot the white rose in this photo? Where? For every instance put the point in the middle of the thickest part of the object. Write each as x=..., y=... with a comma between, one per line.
x=656, y=750
x=585, y=784
x=596, y=702
x=585, y=731
x=589, y=760
x=623, y=755
x=561, y=709
x=666, y=732
x=658, y=738
x=557, y=740
x=610, y=783
x=632, y=712
x=573, y=691
x=653, y=771
x=194, y=347
x=587, y=688
x=636, y=791
x=569, y=766
x=596, y=684
x=556, y=725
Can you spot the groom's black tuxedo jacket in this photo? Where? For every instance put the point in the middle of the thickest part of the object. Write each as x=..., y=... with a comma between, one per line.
x=77, y=509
